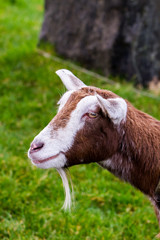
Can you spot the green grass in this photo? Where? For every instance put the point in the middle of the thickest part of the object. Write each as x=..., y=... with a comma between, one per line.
x=31, y=198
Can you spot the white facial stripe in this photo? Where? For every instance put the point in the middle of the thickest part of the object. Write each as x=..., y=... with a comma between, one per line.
x=64, y=99
x=62, y=139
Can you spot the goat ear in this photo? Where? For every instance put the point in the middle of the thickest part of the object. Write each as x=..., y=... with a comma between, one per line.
x=115, y=108
x=70, y=81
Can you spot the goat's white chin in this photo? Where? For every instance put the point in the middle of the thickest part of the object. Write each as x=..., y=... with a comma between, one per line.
x=57, y=161
x=35, y=161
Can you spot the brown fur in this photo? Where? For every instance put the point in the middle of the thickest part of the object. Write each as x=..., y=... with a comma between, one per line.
x=133, y=147
x=136, y=143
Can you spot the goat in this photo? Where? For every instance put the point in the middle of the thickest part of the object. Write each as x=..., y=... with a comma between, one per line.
x=94, y=125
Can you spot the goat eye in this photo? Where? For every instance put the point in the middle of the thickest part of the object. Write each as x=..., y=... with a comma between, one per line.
x=92, y=114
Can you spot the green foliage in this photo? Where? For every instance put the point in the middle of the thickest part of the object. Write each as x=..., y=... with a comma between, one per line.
x=31, y=198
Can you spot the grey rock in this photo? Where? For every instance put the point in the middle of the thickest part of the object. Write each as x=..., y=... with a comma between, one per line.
x=117, y=37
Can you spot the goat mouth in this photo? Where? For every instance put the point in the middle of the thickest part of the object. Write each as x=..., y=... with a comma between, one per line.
x=45, y=160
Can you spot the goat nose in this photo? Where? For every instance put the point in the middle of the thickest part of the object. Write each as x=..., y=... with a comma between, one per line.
x=35, y=147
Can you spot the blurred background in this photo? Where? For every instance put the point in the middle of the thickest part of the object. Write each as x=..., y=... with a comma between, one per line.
x=108, y=44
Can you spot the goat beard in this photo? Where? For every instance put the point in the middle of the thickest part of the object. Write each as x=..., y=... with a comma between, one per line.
x=69, y=195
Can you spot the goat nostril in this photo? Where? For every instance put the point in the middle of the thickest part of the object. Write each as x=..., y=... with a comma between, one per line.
x=36, y=146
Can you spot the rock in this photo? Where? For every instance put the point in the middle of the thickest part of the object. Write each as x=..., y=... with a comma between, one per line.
x=117, y=37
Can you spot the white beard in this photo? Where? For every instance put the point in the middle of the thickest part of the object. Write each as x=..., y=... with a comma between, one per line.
x=69, y=196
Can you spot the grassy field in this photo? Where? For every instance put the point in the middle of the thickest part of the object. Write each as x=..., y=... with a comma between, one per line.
x=31, y=198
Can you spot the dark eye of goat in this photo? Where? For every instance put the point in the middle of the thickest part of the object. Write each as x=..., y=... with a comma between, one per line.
x=92, y=114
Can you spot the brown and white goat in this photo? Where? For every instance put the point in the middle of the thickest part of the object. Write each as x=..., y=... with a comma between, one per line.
x=94, y=125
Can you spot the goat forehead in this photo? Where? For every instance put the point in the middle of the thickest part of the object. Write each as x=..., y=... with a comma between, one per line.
x=64, y=99
x=76, y=96
x=75, y=100
x=71, y=96
x=78, y=103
